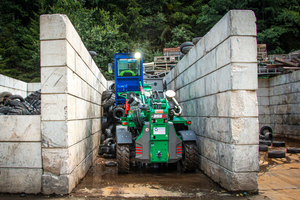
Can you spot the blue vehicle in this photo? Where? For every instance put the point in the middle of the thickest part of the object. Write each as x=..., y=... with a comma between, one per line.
x=128, y=74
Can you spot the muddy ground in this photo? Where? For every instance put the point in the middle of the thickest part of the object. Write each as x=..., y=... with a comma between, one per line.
x=278, y=179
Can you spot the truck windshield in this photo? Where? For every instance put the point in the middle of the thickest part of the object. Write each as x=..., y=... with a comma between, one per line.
x=129, y=67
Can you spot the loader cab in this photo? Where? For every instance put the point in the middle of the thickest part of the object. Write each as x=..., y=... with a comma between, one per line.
x=128, y=74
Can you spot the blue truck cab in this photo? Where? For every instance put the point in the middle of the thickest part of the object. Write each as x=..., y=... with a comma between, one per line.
x=128, y=74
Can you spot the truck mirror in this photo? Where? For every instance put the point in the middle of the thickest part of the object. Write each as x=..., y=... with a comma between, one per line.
x=109, y=68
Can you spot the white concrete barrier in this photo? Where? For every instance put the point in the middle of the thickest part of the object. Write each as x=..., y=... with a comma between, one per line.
x=20, y=154
x=71, y=105
x=216, y=83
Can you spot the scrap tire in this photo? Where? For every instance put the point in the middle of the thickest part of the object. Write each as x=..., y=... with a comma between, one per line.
x=123, y=158
x=276, y=154
x=265, y=129
x=108, y=102
x=263, y=147
x=293, y=150
x=118, y=112
x=278, y=144
x=185, y=44
x=185, y=50
x=265, y=142
x=13, y=97
x=10, y=111
x=190, y=157
x=4, y=95
x=106, y=95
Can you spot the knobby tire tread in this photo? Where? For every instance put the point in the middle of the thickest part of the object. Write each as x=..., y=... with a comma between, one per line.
x=190, y=160
x=123, y=158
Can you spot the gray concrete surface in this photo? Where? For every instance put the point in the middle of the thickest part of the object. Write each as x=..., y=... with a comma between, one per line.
x=215, y=83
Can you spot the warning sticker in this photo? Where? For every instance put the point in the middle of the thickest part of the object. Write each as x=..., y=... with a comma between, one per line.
x=159, y=131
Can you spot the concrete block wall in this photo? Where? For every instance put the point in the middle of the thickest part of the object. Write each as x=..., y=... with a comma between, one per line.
x=216, y=85
x=13, y=86
x=71, y=105
x=20, y=154
x=279, y=104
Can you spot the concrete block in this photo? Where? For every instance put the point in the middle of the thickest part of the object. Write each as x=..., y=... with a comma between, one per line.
x=224, y=79
x=243, y=22
x=21, y=154
x=14, y=180
x=243, y=103
x=263, y=101
x=54, y=80
x=239, y=158
x=218, y=129
x=208, y=63
x=292, y=108
x=54, y=107
x=20, y=128
x=262, y=92
x=190, y=74
x=209, y=149
x=192, y=108
x=55, y=133
x=53, y=53
x=293, y=98
x=197, y=88
x=243, y=49
x=263, y=83
x=223, y=104
x=244, y=131
x=264, y=119
x=200, y=49
x=56, y=161
x=218, y=33
x=244, y=76
x=264, y=110
x=295, y=87
x=192, y=56
x=211, y=83
x=56, y=23
x=52, y=183
x=206, y=106
x=223, y=55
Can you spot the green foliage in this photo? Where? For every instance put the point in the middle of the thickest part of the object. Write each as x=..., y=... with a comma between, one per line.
x=108, y=27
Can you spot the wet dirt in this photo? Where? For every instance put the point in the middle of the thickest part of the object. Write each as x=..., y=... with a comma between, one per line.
x=147, y=181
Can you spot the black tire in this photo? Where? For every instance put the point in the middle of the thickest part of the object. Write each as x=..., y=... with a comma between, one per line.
x=110, y=163
x=104, y=122
x=4, y=96
x=108, y=102
x=268, y=136
x=185, y=50
x=265, y=142
x=10, y=111
x=265, y=129
x=293, y=150
x=276, y=154
x=112, y=87
x=13, y=97
x=123, y=158
x=181, y=56
x=278, y=144
x=195, y=40
x=263, y=147
x=189, y=157
x=33, y=97
x=185, y=44
x=106, y=95
x=118, y=112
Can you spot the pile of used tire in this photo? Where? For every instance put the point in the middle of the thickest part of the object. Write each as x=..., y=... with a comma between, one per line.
x=16, y=105
x=187, y=46
x=266, y=140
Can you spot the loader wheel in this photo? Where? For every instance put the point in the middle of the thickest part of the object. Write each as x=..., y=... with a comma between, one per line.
x=118, y=112
x=123, y=158
x=190, y=157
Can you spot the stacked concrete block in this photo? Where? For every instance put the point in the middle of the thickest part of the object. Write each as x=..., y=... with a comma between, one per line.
x=20, y=154
x=284, y=105
x=32, y=87
x=13, y=86
x=71, y=105
x=263, y=98
x=216, y=83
